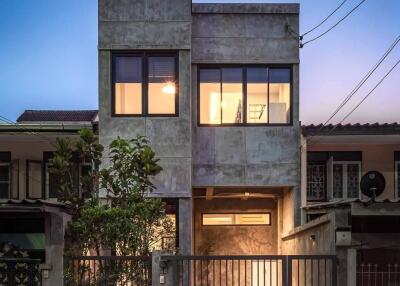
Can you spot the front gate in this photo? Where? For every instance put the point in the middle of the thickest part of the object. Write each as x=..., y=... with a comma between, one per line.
x=20, y=271
x=257, y=270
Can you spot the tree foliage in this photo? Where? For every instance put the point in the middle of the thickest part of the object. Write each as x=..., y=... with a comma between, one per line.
x=125, y=218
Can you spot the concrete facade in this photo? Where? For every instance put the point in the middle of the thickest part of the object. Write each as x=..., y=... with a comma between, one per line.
x=194, y=156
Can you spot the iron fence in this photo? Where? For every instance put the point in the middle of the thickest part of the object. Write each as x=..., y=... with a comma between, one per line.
x=20, y=271
x=107, y=270
x=270, y=270
x=378, y=275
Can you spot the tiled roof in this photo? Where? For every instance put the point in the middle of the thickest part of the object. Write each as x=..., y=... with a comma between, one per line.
x=351, y=129
x=57, y=115
x=347, y=202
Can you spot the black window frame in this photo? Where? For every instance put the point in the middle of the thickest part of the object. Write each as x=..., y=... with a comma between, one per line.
x=144, y=56
x=244, y=88
x=5, y=160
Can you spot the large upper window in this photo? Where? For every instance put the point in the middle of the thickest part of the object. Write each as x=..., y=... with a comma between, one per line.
x=244, y=95
x=144, y=84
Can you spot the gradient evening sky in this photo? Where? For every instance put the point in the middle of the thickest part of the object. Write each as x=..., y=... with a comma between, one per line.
x=48, y=57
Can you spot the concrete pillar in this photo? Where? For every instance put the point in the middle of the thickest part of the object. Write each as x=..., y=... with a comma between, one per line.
x=351, y=266
x=54, y=231
x=185, y=226
x=163, y=272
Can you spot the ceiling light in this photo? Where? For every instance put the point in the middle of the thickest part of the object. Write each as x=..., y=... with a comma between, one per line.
x=169, y=88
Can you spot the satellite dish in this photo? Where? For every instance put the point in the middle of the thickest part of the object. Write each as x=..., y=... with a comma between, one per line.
x=372, y=184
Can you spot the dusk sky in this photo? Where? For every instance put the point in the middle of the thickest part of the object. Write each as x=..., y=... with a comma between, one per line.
x=48, y=57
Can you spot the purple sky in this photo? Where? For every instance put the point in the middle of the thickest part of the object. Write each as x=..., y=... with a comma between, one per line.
x=49, y=58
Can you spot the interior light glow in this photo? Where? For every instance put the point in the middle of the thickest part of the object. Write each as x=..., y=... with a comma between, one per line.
x=169, y=88
x=214, y=107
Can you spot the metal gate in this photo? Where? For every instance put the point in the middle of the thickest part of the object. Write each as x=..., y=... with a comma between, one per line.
x=378, y=267
x=254, y=270
x=20, y=271
x=107, y=270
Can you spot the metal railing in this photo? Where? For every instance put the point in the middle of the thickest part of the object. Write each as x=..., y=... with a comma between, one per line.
x=378, y=274
x=20, y=271
x=107, y=270
x=254, y=270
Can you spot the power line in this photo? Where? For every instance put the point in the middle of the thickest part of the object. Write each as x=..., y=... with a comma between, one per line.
x=366, y=96
x=358, y=86
x=324, y=20
x=363, y=100
x=327, y=31
x=363, y=80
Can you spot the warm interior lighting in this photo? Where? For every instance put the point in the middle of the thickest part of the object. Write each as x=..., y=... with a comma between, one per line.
x=237, y=219
x=169, y=88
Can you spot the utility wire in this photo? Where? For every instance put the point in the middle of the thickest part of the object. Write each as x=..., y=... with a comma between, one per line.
x=323, y=21
x=327, y=31
x=358, y=105
x=366, y=96
x=363, y=80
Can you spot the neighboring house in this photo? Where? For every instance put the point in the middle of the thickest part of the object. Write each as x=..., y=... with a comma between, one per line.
x=30, y=216
x=343, y=221
x=215, y=87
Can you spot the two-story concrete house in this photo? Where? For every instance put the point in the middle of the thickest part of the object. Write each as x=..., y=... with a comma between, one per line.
x=215, y=87
x=364, y=233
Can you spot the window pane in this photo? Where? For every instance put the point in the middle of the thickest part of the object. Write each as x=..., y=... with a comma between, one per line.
x=162, y=85
x=315, y=181
x=237, y=219
x=128, y=85
x=4, y=190
x=257, y=95
x=337, y=181
x=210, y=96
x=4, y=173
x=253, y=219
x=232, y=95
x=35, y=180
x=398, y=179
x=279, y=95
x=353, y=180
x=54, y=186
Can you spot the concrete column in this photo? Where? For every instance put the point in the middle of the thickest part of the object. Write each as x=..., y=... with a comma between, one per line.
x=54, y=231
x=163, y=272
x=185, y=226
x=351, y=266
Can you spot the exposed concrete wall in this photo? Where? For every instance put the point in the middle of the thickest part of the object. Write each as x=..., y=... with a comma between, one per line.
x=244, y=33
x=144, y=24
x=299, y=240
x=235, y=240
x=377, y=157
x=246, y=156
x=169, y=136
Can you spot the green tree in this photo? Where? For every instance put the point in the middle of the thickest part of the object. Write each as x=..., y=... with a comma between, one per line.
x=126, y=219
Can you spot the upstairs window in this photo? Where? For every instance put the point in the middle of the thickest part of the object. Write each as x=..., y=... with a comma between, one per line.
x=144, y=84
x=5, y=175
x=333, y=175
x=244, y=95
x=397, y=173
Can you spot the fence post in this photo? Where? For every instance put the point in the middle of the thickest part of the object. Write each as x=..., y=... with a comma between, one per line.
x=334, y=271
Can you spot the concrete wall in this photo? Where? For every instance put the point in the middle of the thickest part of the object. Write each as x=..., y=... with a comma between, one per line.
x=146, y=25
x=235, y=240
x=377, y=157
x=246, y=156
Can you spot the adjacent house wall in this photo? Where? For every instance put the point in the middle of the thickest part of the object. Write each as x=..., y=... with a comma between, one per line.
x=377, y=157
x=25, y=148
